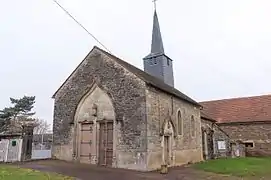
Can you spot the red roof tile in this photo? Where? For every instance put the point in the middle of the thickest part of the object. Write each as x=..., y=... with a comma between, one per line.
x=206, y=117
x=245, y=109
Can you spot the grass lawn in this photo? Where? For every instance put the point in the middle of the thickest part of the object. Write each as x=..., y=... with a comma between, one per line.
x=8, y=172
x=242, y=167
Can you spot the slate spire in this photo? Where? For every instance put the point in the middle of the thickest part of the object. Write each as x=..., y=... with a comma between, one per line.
x=157, y=42
x=157, y=63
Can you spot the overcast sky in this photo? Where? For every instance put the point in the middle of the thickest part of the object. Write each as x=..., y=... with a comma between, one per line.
x=220, y=48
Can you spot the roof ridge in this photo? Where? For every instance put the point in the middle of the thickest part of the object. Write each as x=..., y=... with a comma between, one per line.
x=140, y=74
x=236, y=98
x=160, y=82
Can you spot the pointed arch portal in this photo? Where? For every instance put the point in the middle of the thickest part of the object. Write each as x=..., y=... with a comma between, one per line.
x=95, y=129
x=168, y=142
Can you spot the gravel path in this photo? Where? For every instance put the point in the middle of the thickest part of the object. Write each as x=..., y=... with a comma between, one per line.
x=89, y=172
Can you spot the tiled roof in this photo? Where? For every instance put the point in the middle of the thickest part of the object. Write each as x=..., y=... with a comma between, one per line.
x=203, y=115
x=245, y=109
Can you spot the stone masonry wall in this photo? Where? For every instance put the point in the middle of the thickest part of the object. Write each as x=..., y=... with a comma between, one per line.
x=127, y=93
x=214, y=134
x=207, y=139
x=185, y=147
x=220, y=135
x=257, y=133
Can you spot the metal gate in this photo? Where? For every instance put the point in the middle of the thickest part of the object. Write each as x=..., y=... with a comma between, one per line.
x=42, y=146
x=106, y=143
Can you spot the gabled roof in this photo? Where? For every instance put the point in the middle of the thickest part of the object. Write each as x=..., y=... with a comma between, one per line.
x=244, y=109
x=151, y=80
x=203, y=115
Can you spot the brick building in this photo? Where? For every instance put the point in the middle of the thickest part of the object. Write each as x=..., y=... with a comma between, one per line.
x=111, y=113
x=247, y=119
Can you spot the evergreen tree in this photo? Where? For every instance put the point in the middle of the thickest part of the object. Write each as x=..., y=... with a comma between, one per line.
x=5, y=116
x=23, y=106
x=21, y=109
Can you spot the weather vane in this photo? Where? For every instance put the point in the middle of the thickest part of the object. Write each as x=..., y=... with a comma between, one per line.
x=154, y=1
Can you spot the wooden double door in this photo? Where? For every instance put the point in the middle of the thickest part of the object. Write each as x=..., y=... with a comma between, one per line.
x=87, y=143
x=166, y=150
x=104, y=145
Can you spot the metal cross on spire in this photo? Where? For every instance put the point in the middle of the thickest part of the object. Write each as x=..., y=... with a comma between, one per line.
x=154, y=2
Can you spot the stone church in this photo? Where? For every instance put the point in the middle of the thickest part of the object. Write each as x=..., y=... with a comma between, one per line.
x=110, y=113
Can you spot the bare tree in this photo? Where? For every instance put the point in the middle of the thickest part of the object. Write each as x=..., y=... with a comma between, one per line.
x=42, y=126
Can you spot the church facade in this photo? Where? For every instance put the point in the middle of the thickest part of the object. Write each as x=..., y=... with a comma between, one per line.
x=111, y=113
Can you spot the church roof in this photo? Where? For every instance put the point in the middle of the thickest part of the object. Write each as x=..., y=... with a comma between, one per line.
x=238, y=110
x=151, y=80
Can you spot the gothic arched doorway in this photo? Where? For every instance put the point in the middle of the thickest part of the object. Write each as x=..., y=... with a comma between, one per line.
x=94, y=132
x=168, y=133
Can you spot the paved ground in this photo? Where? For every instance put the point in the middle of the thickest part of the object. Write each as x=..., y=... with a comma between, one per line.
x=89, y=172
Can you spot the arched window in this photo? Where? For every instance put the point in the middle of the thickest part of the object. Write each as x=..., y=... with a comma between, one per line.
x=193, y=126
x=180, y=123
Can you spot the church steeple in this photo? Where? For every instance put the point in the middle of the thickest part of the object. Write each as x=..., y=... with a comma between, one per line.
x=157, y=63
x=157, y=42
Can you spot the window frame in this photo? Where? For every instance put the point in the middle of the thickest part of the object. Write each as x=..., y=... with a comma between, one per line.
x=250, y=142
x=178, y=122
x=224, y=144
x=150, y=62
x=13, y=143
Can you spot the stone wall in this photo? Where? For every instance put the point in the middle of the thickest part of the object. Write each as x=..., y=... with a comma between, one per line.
x=185, y=148
x=207, y=139
x=127, y=93
x=212, y=136
x=258, y=134
x=220, y=135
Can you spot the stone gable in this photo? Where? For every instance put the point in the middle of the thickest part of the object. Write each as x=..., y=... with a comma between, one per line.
x=126, y=91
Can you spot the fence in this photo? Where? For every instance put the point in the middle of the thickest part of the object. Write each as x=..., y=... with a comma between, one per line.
x=10, y=150
x=42, y=146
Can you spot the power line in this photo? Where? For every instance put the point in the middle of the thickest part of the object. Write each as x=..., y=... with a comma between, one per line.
x=69, y=14
x=96, y=39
